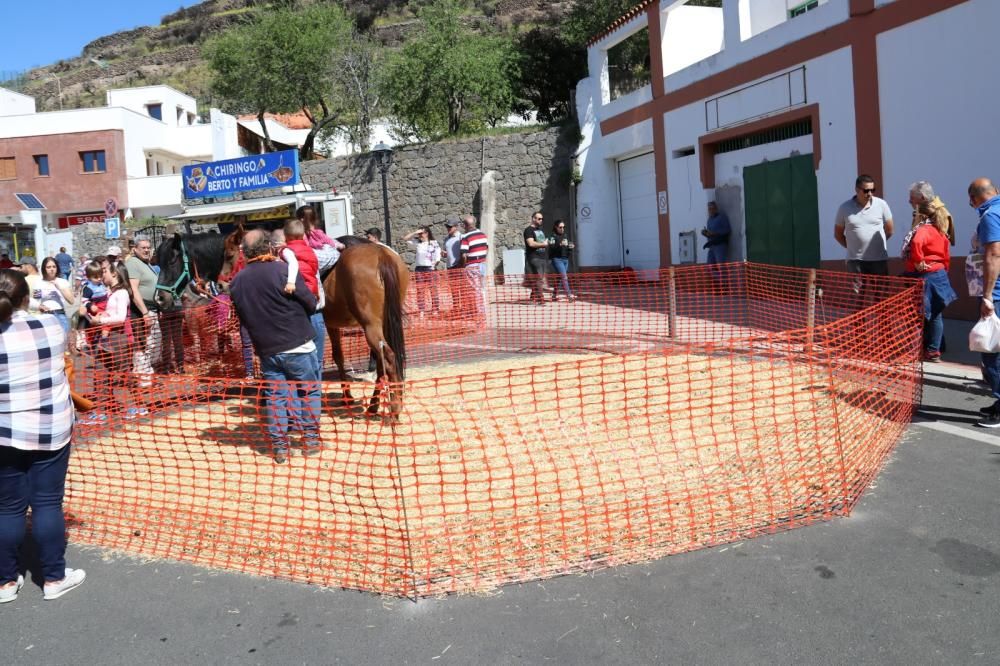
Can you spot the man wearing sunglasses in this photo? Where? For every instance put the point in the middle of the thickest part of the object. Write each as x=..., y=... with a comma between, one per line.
x=864, y=223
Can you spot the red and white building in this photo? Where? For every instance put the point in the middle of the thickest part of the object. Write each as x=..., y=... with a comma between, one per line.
x=772, y=108
x=75, y=161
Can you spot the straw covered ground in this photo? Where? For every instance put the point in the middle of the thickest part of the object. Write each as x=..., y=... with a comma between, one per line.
x=498, y=471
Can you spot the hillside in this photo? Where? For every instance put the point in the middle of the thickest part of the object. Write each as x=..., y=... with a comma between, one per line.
x=170, y=52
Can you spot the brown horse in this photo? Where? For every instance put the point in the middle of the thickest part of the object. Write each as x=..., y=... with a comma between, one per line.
x=367, y=288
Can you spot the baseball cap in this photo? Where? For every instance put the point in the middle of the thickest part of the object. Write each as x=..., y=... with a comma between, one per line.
x=114, y=251
x=451, y=222
x=31, y=261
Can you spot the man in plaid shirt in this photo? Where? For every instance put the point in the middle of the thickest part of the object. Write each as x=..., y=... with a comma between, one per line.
x=36, y=423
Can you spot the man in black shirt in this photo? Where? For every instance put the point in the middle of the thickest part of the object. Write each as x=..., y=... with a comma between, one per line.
x=535, y=257
x=282, y=335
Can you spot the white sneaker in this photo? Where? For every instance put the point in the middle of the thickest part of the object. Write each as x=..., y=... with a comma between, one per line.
x=8, y=594
x=73, y=579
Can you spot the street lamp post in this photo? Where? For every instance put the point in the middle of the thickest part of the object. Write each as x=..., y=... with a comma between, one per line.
x=383, y=159
x=58, y=87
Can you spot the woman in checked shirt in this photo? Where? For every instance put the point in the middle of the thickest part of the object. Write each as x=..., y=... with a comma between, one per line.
x=36, y=425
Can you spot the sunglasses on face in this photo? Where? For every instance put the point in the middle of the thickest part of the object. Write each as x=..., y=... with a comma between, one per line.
x=867, y=190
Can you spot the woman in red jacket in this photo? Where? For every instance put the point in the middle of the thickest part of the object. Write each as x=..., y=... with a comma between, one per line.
x=927, y=256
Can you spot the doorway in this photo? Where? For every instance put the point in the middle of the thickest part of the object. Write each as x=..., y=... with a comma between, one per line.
x=637, y=206
x=782, y=212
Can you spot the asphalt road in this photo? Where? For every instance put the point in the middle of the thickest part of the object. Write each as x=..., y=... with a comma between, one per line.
x=912, y=576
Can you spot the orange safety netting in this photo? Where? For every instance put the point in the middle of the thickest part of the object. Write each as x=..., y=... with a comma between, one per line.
x=658, y=413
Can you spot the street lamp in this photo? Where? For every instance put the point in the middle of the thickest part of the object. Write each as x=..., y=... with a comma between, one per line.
x=58, y=87
x=383, y=159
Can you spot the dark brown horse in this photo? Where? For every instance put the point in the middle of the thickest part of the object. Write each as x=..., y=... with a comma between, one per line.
x=367, y=288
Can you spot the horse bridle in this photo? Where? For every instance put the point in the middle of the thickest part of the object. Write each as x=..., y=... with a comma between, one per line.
x=186, y=273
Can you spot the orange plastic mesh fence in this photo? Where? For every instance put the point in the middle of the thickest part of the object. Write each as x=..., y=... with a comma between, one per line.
x=648, y=416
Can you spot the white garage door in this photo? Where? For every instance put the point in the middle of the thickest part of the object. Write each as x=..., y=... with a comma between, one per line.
x=637, y=202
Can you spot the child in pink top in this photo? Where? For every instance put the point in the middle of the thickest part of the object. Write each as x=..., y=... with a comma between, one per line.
x=327, y=249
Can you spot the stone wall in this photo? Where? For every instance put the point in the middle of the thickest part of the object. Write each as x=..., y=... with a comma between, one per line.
x=428, y=183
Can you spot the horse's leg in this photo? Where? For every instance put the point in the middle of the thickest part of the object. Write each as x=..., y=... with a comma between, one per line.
x=385, y=360
x=337, y=348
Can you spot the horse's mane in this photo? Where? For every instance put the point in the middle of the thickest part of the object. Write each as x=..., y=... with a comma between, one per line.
x=351, y=241
x=205, y=251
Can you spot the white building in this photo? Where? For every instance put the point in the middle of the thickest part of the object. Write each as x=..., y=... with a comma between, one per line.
x=772, y=108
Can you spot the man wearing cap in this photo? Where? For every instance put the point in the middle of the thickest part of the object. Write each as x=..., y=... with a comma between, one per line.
x=29, y=266
x=114, y=254
x=375, y=235
x=453, y=260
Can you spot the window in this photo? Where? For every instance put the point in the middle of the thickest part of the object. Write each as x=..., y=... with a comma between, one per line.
x=41, y=165
x=628, y=64
x=7, y=170
x=93, y=161
x=180, y=115
x=190, y=118
x=155, y=111
x=803, y=8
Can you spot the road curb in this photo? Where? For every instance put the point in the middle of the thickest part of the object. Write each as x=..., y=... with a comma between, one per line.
x=956, y=377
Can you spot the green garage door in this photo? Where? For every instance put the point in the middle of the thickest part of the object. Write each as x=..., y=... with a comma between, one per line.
x=782, y=216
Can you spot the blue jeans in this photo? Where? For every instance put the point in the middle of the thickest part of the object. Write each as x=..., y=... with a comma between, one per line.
x=561, y=264
x=991, y=373
x=718, y=254
x=316, y=319
x=36, y=479
x=284, y=401
x=64, y=320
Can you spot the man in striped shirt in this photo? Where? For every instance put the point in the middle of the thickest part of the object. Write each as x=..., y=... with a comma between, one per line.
x=474, y=248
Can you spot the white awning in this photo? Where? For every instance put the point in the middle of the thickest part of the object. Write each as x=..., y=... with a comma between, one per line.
x=234, y=208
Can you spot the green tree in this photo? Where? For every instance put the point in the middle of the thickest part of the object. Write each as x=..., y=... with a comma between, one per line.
x=284, y=61
x=356, y=75
x=448, y=78
x=550, y=67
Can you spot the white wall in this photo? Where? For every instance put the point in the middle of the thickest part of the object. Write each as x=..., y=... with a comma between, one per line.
x=599, y=239
x=829, y=81
x=154, y=191
x=224, y=140
x=817, y=20
x=690, y=34
x=939, y=111
x=14, y=103
x=136, y=99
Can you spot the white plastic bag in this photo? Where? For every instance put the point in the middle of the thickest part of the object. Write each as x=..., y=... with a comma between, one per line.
x=985, y=335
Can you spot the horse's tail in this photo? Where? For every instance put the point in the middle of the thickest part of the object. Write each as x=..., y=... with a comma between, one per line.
x=392, y=310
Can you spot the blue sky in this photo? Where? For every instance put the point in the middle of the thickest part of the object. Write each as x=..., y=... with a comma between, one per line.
x=40, y=32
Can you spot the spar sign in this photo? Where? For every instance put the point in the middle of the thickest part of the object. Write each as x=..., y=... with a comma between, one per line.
x=254, y=172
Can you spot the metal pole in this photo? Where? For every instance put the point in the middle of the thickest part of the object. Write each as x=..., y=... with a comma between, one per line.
x=810, y=310
x=385, y=207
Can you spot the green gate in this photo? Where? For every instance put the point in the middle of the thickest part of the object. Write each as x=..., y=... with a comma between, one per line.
x=782, y=213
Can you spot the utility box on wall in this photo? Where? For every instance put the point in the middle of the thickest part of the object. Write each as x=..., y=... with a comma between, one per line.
x=686, y=247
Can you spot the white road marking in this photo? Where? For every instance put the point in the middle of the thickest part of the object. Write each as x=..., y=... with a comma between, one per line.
x=968, y=433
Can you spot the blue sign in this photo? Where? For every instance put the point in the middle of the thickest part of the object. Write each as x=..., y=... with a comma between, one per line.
x=254, y=172
x=112, y=227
